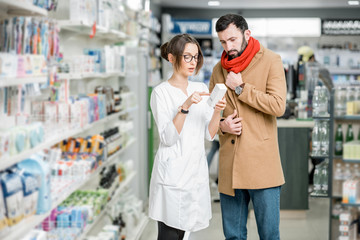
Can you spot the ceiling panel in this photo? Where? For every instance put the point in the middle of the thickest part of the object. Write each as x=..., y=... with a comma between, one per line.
x=256, y=4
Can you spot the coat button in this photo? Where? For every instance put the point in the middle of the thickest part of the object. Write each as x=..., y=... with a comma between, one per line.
x=232, y=141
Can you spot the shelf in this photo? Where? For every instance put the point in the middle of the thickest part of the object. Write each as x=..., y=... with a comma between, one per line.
x=348, y=118
x=31, y=222
x=21, y=8
x=143, y=25
x=319, y=157
x=348, y=71
x=321, y=118
x=351, y=204
x=122, y=186
x=319, y=196
x=5, y=82
x=79, y=76
x=336, y=197
x=90, y=226
x=351, y=160
x=9, y=161
x=86, y=29
x=18, y=231
x=139, y=229
x=114, y=156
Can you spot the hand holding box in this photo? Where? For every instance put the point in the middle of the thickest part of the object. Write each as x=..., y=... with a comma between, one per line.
x=217, y=94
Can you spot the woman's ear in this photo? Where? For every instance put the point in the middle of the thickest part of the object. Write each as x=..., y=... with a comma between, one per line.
x=171, y=58
x=247, y=34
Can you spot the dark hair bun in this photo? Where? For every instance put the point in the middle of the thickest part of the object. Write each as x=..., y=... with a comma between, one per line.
x=164, y=51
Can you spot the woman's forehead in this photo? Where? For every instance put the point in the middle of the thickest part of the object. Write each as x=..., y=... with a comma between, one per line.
x=191, y=48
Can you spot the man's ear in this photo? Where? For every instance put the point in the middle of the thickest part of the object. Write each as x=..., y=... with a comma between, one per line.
x=171, y=58
x=247, y=34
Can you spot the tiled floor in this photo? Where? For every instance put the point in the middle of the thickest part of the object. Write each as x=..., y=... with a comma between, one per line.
x=313, y=226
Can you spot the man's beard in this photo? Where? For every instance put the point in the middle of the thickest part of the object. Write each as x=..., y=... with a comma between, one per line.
x=238, y=54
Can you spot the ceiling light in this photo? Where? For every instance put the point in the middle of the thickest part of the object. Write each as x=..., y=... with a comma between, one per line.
x=353, y=3
x=213, y=3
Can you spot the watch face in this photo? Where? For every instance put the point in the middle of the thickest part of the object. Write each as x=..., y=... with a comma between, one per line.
x=238, y=90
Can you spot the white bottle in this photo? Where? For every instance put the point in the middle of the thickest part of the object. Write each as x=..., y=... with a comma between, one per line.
x=338, y=180
x=347, y=172
x=316, y=139
x=316, y=102
x=324, y=138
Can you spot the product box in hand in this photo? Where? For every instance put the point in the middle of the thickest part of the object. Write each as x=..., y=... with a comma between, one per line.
x=217, y=94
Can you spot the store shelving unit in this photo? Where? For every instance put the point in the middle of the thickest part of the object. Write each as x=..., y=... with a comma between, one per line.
x=21, y=8
x=6, y=82
x=11, y=160
x=80, y=76
x=79, y=27
x=333, y=224
x=118, y=191
x=19, y=230
x=80, y=31
x=331, y=133
x=354, y=71
x=139, y=229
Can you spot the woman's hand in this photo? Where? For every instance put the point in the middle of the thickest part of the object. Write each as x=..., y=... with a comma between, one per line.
x=220, y=105
x=194, y=98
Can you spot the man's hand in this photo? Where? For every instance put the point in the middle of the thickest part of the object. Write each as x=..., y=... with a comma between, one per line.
x=233, y=80
x=232, y=124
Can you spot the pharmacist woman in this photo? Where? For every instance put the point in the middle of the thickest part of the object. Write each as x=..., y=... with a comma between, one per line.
x=179, y=186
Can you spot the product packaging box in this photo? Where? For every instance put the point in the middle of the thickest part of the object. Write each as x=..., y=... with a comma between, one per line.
x=8, y=65
x=217, y=94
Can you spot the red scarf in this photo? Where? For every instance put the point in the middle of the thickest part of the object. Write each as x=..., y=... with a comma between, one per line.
x=238, y=64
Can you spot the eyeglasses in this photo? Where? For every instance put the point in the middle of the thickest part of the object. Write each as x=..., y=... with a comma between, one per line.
x=189, y=58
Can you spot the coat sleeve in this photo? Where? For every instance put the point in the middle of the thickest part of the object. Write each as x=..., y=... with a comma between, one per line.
x=273, y=101
x=164, y=120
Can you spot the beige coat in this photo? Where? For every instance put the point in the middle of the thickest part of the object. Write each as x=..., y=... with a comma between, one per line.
x=252, y=160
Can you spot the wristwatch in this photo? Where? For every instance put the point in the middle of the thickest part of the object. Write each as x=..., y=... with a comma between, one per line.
x=181, y=110
x=239, y=89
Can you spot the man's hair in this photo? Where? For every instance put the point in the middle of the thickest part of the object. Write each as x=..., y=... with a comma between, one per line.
x=223, y=22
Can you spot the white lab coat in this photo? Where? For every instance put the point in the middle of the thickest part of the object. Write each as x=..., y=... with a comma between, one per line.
x=179, y=186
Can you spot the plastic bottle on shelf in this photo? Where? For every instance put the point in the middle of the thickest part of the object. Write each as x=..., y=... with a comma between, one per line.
x=347, y=172
x=339, y=139
x=349, y=133
x=323, y=103
x=338, y=180
x=337, y=210
x=324, y=178
x=350, y=94
x=316, y=101
x=356, y=171
x=324, y=138
x=317, y=179
x=316, y=139
x=357, y=93
x=340, y=101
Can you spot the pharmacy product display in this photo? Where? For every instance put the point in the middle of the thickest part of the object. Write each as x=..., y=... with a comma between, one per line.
x=343, y=165
x=320, y=137
x=68, y=120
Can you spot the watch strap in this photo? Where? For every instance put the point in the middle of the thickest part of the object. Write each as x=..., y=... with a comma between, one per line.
x=181, y=110
x=184, y=111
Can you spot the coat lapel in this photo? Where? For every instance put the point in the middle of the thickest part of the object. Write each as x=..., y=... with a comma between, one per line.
x=229, y=92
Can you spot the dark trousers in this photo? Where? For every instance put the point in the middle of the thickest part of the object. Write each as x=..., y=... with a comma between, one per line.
x=168, y=233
